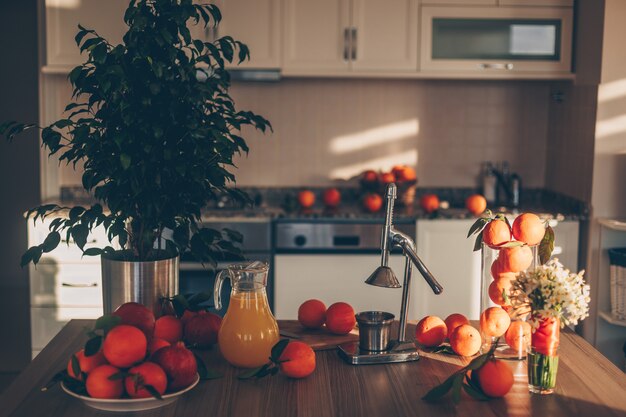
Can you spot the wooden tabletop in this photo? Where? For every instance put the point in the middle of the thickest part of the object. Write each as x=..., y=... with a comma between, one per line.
x=587, y=385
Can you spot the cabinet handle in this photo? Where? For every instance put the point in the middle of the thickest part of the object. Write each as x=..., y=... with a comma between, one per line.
x=88, y=285
x=506, y=66
x=353, y=42
x=346, y=44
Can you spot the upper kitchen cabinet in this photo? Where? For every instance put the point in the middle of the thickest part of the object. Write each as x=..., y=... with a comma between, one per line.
x=62, y=19
x=566, y=3
x=256, y=23
x=492, y=42
x=334, y=37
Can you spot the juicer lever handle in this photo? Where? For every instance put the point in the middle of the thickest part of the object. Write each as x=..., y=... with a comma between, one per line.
x=217, y=289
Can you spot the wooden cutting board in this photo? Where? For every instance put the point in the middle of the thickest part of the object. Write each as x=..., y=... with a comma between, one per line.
x=320, y=339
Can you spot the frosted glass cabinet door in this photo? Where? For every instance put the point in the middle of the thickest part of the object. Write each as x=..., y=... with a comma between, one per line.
x=505, y=39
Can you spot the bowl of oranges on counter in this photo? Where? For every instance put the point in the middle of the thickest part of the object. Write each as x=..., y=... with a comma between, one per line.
x=134, y=361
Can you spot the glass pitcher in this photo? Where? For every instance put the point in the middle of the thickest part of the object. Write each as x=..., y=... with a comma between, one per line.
x=249, y=330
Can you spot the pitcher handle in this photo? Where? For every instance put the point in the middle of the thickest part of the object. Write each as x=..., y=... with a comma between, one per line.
x=217, y=290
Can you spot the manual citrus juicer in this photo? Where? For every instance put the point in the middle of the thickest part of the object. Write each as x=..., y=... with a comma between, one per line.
x=374, y=325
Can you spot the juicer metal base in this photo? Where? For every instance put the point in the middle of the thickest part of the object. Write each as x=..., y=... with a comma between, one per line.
x=399, y=352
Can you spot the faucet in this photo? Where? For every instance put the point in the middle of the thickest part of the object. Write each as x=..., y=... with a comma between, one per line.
x=384, y=276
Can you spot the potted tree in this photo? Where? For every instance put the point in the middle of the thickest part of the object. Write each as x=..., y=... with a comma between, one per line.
x=156, y=130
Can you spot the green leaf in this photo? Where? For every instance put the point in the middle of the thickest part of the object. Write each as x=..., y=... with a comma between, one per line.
x=255, y=372
x=477, y=226
x=58, y=377
x=93, y=252
x=33, y=254
x=125, y=160
x=477, y=362
x=75, y=365
x=79, y=233
x=107, y=322
x=546, y=246
x=278, y=349
x=204, y=372
x=440, y=390
x=443, y=349
x=51, y=242
x=478, y=242
x=93, y=345
x=475, y=393
x=153, y=391
x=457, y=384
x=118, y=375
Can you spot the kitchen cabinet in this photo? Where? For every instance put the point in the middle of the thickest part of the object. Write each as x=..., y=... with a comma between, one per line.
x=565, y=3
x=340, y=36
x=256, y=23
x=609, y=336
x=62, y=19
x=448, y=253
x=496, y=41
x=64, y=285
x=336, y=277
x=566, y=242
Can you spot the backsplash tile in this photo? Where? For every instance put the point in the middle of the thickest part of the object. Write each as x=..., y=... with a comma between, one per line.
x=459, y=125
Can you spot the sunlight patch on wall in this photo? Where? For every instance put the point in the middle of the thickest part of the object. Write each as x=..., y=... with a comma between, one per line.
x=612, y=126
x=612, y=90
x=384, y=164
x=63, y=4
x=373, y=137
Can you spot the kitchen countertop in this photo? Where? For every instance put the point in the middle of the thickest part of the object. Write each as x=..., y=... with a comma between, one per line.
x=271, y=205
x=587, y=385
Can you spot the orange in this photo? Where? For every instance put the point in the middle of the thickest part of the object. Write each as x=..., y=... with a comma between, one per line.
x=156, y=344
x=168, y=328
x=100, y=386
x=499, y=290
x=331, y=197
x=495, y=378
x=431, y=331
x=516, y=259
x=404, y=173
x=465, y=340
x=372, y=202
x=147, y=373
x=494, y=321
x=297, y=360
x=86, y=363
x=454, y=320
x=306, y=198
x=124, y=346
x=528, y=228
x=387, y=177
x=369, y=176
x=429, y=203
x=476, y=204
x=517, y=335
x=496, y=233
x=340, y=318
x=312, y=314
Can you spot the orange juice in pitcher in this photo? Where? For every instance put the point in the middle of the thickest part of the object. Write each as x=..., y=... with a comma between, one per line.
x=249, y=330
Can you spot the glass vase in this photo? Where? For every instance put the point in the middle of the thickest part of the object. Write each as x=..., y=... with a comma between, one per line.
x=496, y=280
x=543, y=357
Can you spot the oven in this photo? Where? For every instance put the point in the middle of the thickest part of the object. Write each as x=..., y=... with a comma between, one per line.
x=195, y=277
x=330, y=260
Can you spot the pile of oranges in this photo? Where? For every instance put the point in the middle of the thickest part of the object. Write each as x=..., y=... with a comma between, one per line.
x=139, y=357
x=464, y=339
x=339, y=318
x=514, y=246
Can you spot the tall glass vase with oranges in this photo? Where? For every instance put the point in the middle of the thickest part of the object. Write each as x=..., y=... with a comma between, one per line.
x=506, y=251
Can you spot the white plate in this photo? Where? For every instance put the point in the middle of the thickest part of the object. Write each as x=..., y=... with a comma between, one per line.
x=131, y=404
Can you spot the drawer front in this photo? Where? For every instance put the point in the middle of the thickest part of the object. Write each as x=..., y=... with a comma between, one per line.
x=66, y=285
x=47, y=322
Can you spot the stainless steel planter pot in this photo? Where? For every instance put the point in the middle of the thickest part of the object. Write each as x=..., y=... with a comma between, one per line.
x=141, y=282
